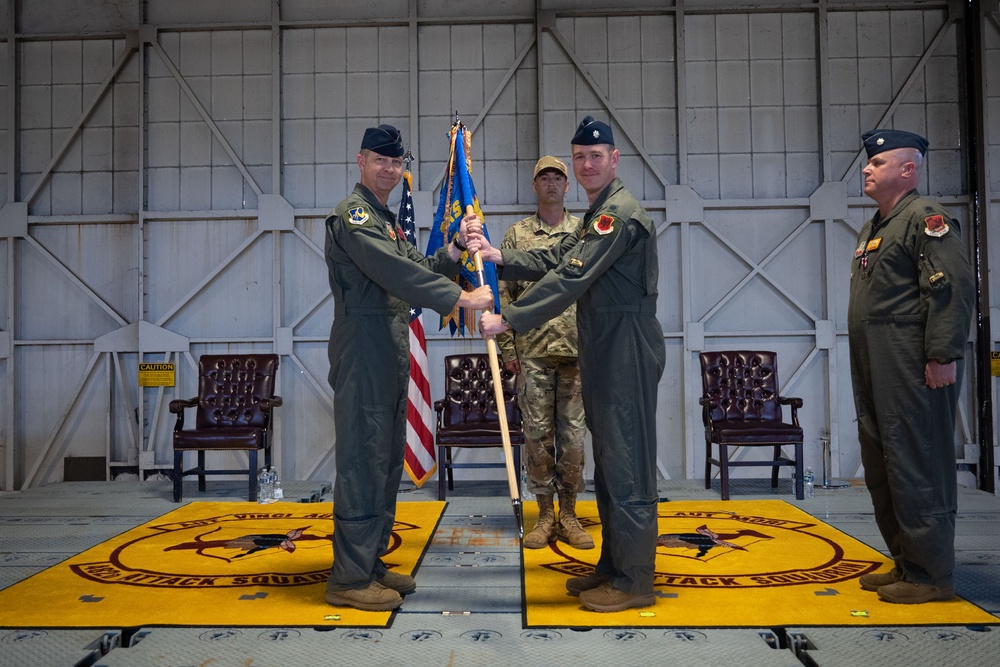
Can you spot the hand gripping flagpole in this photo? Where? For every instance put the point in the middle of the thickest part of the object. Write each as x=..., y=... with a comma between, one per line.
x=508, y=452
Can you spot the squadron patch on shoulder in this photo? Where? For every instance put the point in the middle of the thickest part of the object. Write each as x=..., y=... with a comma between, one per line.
x=358, y=215
x=604, y=225
x=934, y=225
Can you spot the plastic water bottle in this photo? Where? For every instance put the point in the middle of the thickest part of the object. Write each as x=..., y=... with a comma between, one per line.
x=525, y=494
x=262, y=491
x=277, y=493
x=808, y=482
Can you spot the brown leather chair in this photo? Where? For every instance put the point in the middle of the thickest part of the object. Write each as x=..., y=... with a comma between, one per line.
x=234, y=403
x=467, y=416
x=741, y=408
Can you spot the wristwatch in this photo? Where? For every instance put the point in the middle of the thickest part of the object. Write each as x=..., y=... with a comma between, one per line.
x=503, y=321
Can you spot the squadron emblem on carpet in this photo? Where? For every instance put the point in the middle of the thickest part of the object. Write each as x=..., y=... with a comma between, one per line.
x=728, y=549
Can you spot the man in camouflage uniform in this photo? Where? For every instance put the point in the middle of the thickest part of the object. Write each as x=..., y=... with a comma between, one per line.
x=610, y=268
x=912, y=289
x=375, y=274
x=545, y=360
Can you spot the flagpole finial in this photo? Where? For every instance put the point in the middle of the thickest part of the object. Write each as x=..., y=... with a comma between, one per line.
x=408, y=158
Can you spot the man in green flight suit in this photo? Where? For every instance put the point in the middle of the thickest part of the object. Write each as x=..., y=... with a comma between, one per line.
x=548, y=383
x=908, y=325
x=375, y=274
x=609, y=268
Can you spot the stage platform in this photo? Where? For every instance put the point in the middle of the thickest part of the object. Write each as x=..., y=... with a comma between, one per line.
x=467, y=608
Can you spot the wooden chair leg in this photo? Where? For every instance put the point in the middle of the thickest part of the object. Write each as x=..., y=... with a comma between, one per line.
x=724, y=470
x=800, y=489
x=775, y=468
x=252, y=474
x=451, y=474
x=443, y=471
x=708, y=464
x=201, y=470
x=178, y=475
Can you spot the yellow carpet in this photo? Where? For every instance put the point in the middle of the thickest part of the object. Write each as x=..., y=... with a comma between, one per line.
x=211, y=564
x=733, y=563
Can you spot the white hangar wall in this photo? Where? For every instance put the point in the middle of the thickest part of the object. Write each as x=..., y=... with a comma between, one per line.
x=167, y=168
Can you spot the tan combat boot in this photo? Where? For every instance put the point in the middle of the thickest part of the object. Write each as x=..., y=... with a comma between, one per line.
x=545, y=528
x=569, y=529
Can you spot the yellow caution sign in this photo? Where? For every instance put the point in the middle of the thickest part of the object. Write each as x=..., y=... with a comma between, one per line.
x=156, y=375
x=995, y=364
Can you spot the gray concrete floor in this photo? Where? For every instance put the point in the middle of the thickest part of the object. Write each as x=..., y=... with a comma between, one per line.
x=456, y=619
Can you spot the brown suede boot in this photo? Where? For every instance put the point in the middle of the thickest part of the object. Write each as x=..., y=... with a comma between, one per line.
x=373, y=597
x=545, y=528
x=569, y=529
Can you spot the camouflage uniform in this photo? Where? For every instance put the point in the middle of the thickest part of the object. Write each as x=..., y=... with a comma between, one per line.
x=549, y=385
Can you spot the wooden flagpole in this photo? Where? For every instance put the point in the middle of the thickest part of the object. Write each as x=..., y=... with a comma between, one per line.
x=508, y=452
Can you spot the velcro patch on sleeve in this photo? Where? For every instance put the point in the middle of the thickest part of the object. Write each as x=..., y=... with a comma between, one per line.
x=357, y=216
x=934, y=225
x=605, y=224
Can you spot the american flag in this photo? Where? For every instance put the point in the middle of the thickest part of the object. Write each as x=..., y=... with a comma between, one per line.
x=419, y=462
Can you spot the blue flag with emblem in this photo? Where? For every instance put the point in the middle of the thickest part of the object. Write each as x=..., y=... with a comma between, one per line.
x=457, y=192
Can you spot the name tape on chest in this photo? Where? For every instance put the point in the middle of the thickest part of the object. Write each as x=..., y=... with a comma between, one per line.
x=865, y=248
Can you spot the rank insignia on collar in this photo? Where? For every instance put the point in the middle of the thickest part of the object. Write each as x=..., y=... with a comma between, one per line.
x=358, y=215
x=392, y=231
x=604, y=225
x=575, y=261
x=935, y=225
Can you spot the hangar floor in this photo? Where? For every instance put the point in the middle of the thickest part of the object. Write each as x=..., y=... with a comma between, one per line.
x=483, y=625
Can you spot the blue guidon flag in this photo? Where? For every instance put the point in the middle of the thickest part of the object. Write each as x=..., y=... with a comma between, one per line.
x=457, y=192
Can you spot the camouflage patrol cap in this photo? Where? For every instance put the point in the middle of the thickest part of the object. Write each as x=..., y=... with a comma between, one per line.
x=549, y=162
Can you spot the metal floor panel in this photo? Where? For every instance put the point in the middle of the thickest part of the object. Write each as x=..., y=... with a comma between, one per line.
x=902, y=647
x=449, y=640
x=48, y=648
x=472, y=570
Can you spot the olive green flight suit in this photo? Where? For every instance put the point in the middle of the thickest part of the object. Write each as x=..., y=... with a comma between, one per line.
x=548, y=388
x=375, y=274
x=910, y=301
x=610, y=269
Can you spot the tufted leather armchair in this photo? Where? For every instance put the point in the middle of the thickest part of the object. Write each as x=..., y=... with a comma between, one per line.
x=741, y=408
x=467, y=416
x=234, y=403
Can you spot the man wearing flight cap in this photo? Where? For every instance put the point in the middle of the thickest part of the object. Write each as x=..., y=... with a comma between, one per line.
x=548, y=385
x=375, y=275
x=908, y=323
x=609, y=268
